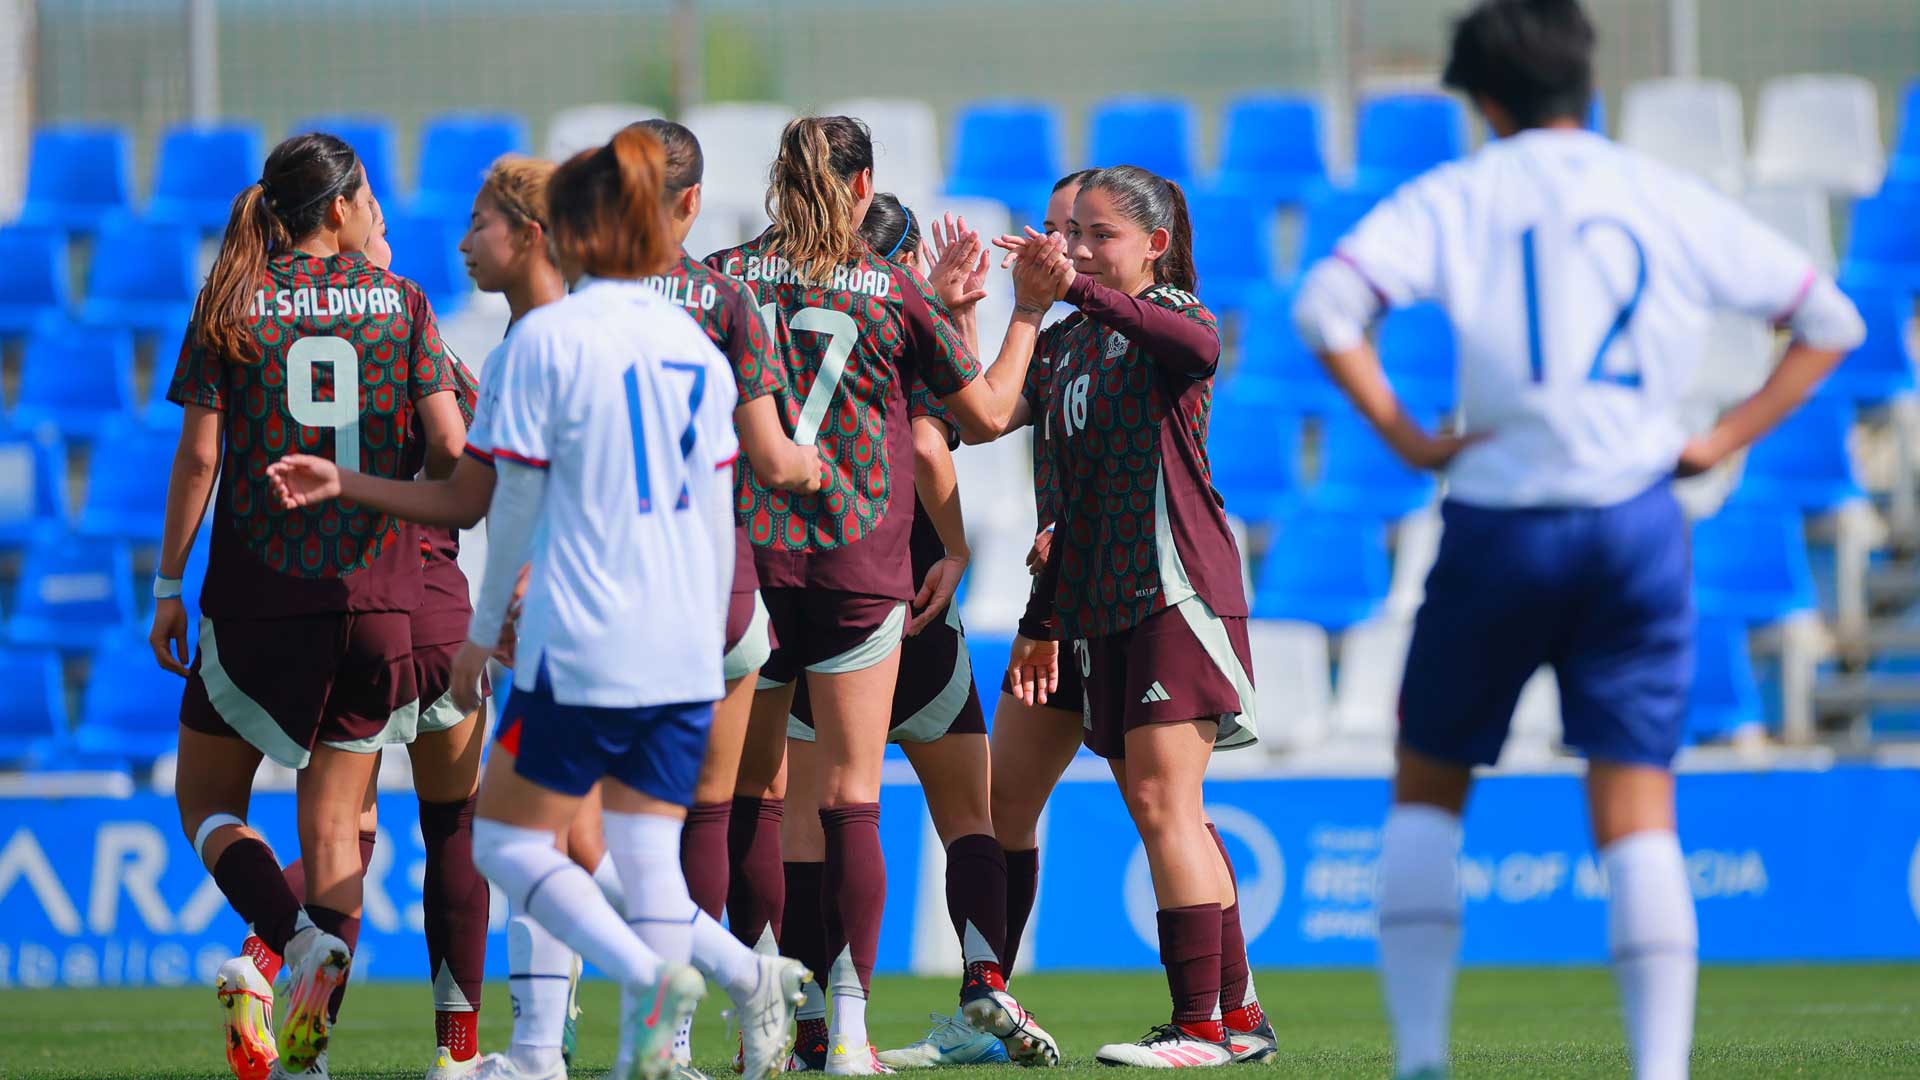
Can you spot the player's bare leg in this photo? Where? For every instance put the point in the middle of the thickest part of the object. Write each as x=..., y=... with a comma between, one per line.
x=1651, y=926
x=1032, y=746
x=454, y=895
x=1420, y=908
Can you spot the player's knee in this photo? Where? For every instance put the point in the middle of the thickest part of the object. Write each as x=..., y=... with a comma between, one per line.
x=1156, y=806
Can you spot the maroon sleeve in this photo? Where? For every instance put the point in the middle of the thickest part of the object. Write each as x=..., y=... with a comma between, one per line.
x=1036, y=623
x=1184, y=340
x=756, y=366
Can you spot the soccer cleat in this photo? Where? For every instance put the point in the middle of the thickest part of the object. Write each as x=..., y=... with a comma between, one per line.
x=445, y=1068
x=685, y=1071
x=765, y=1016
x=246, y=997
x=570, y=1032
x=859, y=1061
x=1253, y=1047
x=809, y=1047
x=995, y=1013
x=315, y=1071
x=952, y=1041
x=650, y=1018
x=1168, y=1046
x=319, y=962
x=502, y=1067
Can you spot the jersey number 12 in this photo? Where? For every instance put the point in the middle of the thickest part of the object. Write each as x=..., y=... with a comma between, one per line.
x=1596, y=371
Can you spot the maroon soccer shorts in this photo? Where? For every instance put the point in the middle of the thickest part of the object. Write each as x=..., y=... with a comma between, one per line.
x=439, y=630
x=934, y=695
x=1182, y=663
x=285, y=684
x=749, y=635
x=828, y=631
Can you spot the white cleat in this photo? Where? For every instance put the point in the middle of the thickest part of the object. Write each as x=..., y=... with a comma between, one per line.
x=765, y=1016
x=860, y=1061
x=319, y=963
x=996, y=1013
x=952, y=1040
x=502, y=1067
x=650, y=1017
x=445, y=1068
x=315, y=1071
x=246, y=997
x=1166, y=1047
x=1253, y=1047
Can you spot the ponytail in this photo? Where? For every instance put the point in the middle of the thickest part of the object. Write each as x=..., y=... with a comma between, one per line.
x=810, y=195
x=1154, y=202
x=1176, y=267
x=607, y=209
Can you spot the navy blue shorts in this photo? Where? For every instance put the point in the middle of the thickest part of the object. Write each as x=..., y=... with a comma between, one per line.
x=1603, y=594
x=653, y=749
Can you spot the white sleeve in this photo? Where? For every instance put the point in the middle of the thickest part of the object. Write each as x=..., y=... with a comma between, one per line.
x=511, y=423
x=1742, y=264
x=1334, y=307
x=518, y=492
x=1398, y=247
x=1826, y=319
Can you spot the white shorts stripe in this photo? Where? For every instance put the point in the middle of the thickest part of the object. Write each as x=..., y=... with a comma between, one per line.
x=1235, y=731
x=243, y=714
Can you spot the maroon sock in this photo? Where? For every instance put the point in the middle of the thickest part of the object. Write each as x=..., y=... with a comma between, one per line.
x=803, y=926
x=1190, y=950
x=455, y=899
x=347, y=929
x=853, y=892
x=1023, y=884
x=1234, y=975
x=703, y=854
x=250, y=878
x=757, y=886
x=977, y=905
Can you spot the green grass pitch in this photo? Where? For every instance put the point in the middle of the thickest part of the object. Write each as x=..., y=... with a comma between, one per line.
x=1753, y=1022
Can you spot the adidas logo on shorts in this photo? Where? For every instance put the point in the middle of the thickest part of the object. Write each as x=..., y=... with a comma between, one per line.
x=1156, y=692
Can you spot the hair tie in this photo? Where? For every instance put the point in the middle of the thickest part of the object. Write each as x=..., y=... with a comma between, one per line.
x=903, y=233
x=266, y=189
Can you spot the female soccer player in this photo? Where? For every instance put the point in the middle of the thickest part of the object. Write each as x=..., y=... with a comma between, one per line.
x=292, y=326
x=1150, y=598
x=833, y=566
x=1579, y=278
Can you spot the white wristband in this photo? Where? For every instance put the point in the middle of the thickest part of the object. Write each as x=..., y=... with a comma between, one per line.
x=166, y=588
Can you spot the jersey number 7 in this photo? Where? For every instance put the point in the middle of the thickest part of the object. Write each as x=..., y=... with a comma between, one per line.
x=842, y=334
x=636, y=416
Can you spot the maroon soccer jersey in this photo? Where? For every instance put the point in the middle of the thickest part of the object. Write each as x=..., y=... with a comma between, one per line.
x=924, y=545
x=1046, y=487
x=850, y=344
x=1140, y=526
x=437, y=542
x=316, y=322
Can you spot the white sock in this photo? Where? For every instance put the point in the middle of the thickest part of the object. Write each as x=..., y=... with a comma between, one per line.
x=849, y=1028
x=720, y=956
x=1655, y=943
x=538, y=966
x=560, y=896
x=607, y=876
x=646, y=848
x=1419, y=931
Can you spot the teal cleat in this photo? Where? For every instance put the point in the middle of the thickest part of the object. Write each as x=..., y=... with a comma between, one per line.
x=952, y=1041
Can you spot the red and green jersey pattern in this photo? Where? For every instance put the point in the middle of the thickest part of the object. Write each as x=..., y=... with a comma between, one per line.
x=851, y=346
x=316, y=322
x=1046, y=487
x=1140, y=526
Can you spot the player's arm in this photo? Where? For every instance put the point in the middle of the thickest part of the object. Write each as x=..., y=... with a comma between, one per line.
x=458, y=502
x=996, y=403
x=196, y=464
x=778, y=461
x=1184, y=346
x=446, y=432
x=1035, y=660
x=939, y=490
x=518, y=496
x=959, y=273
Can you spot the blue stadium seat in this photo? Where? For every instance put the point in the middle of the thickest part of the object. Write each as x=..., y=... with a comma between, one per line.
x=74, y=592
x=1882, y=367
x=131, y=708
x=1404, y=135
x=158, y=411
x=33, y=485
x=372, y=140
x=1803, y=464
x=1726, y=696
x=77, y=175
x=1597, y=114
x=1360, y=475
x=33, y=279
x=1275, y=367
x=144, y=276
x=1750, y=564
x=1271, y=151
x=1232, y=249
x=1903, y=163
x=1883, y=243
x=455, y=152
x=1329, y=569
x=1151, y=132
x=1253, y=451
x=76, y=379
x=123, y=500
x=1007, y=150
x=426, y=250
x=1329, y=214
x=35, y=719
x=1416, y=349
x=201, y=169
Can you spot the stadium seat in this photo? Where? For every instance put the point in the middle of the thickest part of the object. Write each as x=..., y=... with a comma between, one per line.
x=1597, y=114
x=1903, y=166
x=1275, y=367
x=1416, y=349
x=201, y=169
x=1009, y=151
x=372, y=140
x=1328, y=569
x=1360, y=475
x=1801, y=214
x=1271, y=151
x=1232, y=249
x=584, y=127
x=1691, y=124
x=739, y=139
x=33, y=279
x=76, y=380
x=1726, y=696
x=123, y=501
x=906, y=144
x=33, y=485
x=1883, y=241
x=1404, y=135
x=1152, y=132
x=35, y=719
x=455, y=152
x=1882, y=367
x=1253, y=450
x=426, y=250
x=74, y=592
x=144, y=276
x=1373, y=659
x=1803, y=464
x=1822, y=131
x=77, y=176
x=1329, y=214
x=1293, y=682
x=1750, y=564
x=125, y=712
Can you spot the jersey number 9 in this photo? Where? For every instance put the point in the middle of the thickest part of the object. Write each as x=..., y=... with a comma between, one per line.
x=342, y=414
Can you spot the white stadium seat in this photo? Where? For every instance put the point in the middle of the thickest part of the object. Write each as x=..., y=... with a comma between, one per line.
x=1373, y=656
x=739, y=140
x=1819, y=130
x=1292, y=680
x=1691, y=124
x=906, y=144
x=1416, y=544
x=585, y=126
x=1801, y=214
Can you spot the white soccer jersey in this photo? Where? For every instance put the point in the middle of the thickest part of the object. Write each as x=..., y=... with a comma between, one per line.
x=1579, y=277
x=629, y=407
